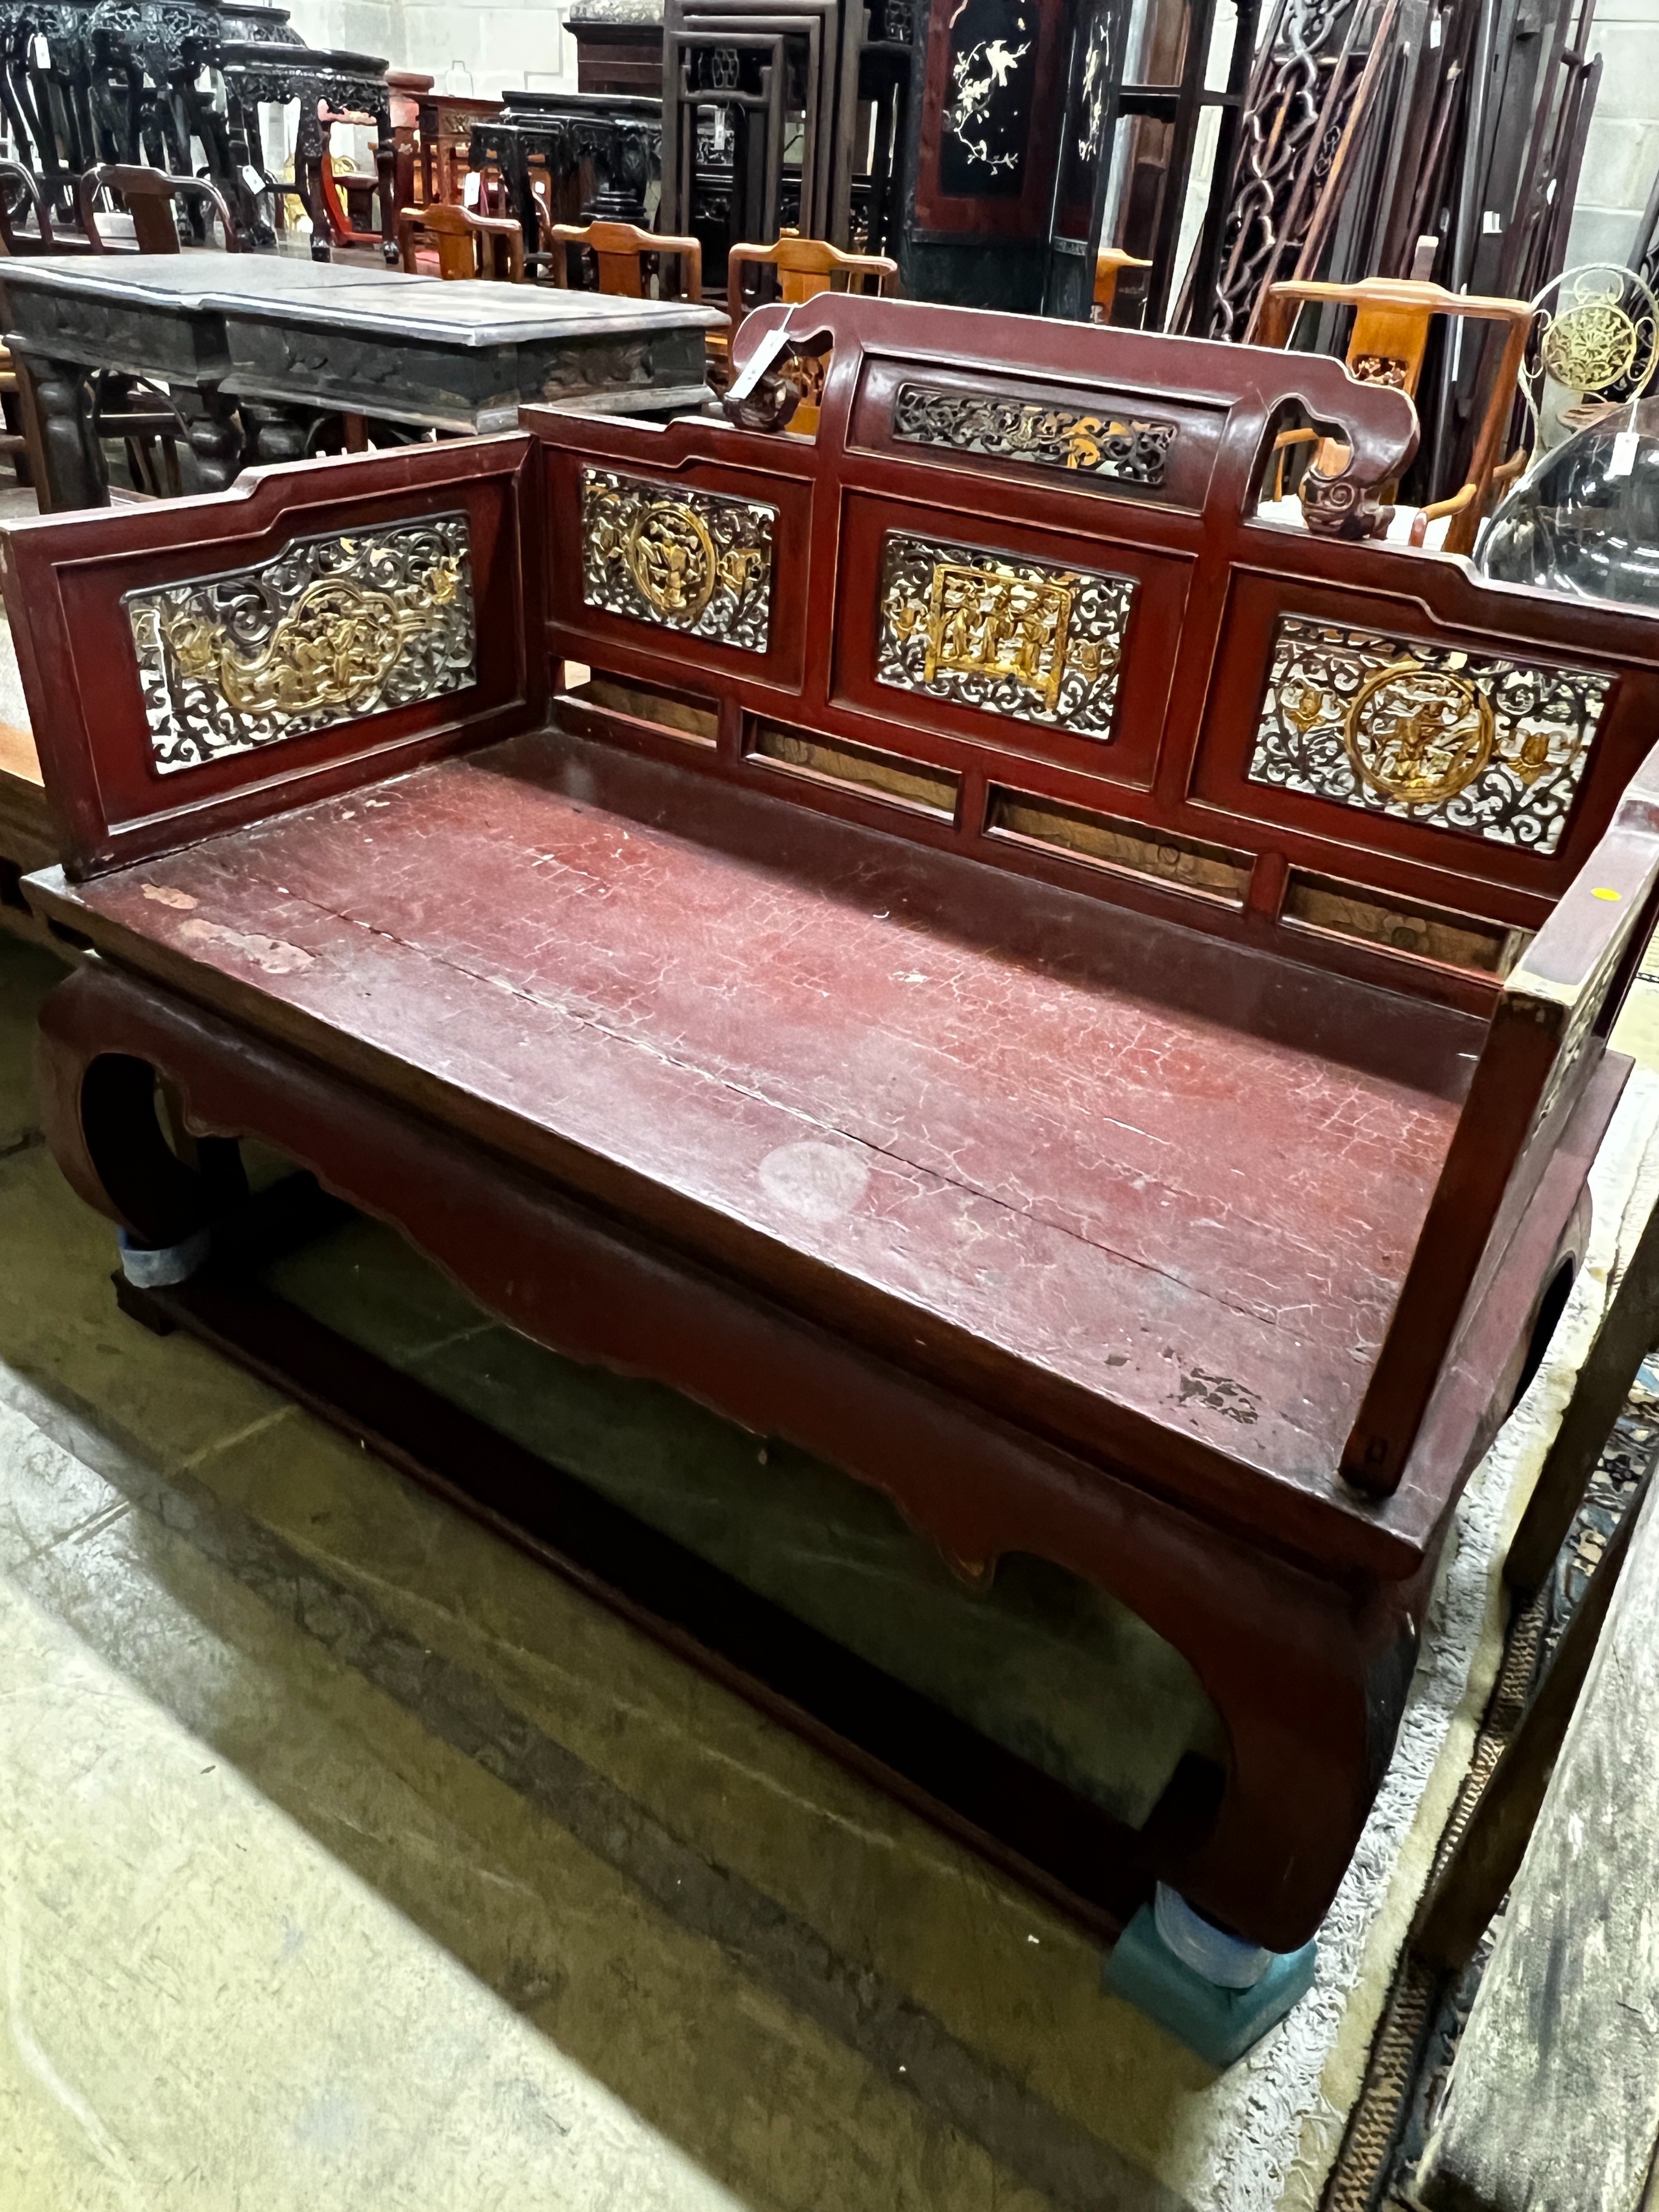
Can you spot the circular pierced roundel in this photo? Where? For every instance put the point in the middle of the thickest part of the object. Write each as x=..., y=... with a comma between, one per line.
x=1420, y=735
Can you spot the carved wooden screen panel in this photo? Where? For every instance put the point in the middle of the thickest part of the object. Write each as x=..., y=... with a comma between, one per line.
x=1401, y=724
x=190, y=666
x=1015, y=609
x=329, y=628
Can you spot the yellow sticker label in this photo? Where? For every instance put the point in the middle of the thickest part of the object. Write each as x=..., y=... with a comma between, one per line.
x=1605, y=895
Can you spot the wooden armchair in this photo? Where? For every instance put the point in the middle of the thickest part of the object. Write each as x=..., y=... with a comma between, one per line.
x=1110, y=262
x=620, y=251
x=139, y=413
x=465, y=245
x=1387, y=345
x=348, y=195
x=805, y=267
x=149, y=195
x=14, y=177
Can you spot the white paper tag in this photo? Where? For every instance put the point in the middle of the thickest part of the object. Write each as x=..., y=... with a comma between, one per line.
x=40, y=51
x=253, y=179
x=720, y=130
x=471, y=187
x=1434, y=32
x=1492, y=222
x=1624, y=454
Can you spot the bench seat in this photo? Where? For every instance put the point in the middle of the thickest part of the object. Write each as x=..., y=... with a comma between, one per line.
x=1154, y=1207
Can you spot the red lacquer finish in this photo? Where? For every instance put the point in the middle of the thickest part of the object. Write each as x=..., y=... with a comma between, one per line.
x=1122, y=1217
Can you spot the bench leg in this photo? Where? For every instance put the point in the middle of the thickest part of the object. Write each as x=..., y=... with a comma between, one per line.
x=1213, y=1991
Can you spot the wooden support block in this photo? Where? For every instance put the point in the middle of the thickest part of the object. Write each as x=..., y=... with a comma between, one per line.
x=1553, y=2102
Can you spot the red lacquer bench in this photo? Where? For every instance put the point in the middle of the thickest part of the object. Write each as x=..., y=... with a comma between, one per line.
x=946, y=940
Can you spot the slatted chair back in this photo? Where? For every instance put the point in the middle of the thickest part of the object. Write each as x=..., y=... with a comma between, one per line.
x=805, y=267
x=621, y=252
x=16, y=179
x=149, y=196
x=489, y=246
x=1393, y=320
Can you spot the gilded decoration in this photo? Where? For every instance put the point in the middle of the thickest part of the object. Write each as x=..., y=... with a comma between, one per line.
x=1020, y=638
x=1384, y=368
x=1591, y=344
x=1494, y=747
x=332, y=628
x=691, y=560
x=1094, y=443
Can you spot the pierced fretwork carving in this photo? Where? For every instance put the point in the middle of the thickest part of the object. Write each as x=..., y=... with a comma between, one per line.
x=1015, y=637
x=1095, y=442
x=333, y=628
x=688, y=560
x=1495, y=747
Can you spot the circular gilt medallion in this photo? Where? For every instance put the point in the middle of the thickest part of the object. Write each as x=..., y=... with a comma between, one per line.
x=670, y=556
x=1420, y=735
x=1589, y=346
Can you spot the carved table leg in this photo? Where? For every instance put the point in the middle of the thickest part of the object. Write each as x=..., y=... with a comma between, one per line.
x=309, y=154
x=278, y=433
x=385, y=168
x=72, y=467
x=621, y=162
x=216, y=444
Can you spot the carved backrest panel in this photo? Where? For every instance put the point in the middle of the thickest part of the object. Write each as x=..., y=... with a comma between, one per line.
x=1017, y=567
x=330, y=630
x=192, y=665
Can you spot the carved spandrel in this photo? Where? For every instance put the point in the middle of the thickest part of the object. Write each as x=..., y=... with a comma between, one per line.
x=687, y=560
x=1020, y=638
x=1099, y=442
x=332, y=628
x=1493, y=747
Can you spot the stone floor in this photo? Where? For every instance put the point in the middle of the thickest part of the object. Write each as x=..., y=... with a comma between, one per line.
x=347, y=1857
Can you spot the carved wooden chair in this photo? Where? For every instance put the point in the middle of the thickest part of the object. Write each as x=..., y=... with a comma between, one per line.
x=21, y=188
x=349, y=194
x=1392, y=320
x=142, y=416
x=621, y=252
x=16, y=434
x=805, y=267
x=148, y=197
x=1110, y=262
x=462, y=244
x=407, y=89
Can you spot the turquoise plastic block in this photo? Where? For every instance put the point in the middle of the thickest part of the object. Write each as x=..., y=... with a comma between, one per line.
x=1219, y=2025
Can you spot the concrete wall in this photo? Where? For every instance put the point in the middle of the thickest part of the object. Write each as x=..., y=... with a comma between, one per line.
x=473, y=46
x=1622, y=156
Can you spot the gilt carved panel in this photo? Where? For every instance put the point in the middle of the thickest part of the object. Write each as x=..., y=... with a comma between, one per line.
x=694, y=561
x=332, y=628
x=1493, y=747
x=1024, y=639
x=1101, y=442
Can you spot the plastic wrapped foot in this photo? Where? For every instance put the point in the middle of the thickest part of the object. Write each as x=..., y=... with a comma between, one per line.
x=1216, y=1994
x=154, y=1267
